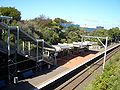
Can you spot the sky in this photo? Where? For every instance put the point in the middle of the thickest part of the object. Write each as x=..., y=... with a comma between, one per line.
x=89, y=13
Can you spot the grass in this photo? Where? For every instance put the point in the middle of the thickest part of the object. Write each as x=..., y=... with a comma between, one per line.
x=110, y=79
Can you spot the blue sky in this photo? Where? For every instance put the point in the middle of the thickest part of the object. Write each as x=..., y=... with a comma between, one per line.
x=90, y=12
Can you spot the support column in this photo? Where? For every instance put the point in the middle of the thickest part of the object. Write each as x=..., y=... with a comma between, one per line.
x=42, y=48
x=23, y=47
x=1, y=33
x=8, y=40
x=29, y=48
x=37, y=51
x=4, y=34
x=82, y=42
x=55, y=62
x=105, y=53
x=49, y=66
x=18, y=39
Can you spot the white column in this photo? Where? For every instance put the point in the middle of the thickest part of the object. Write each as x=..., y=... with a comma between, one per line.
x=105, y=53
x=8, y=42
x=17, y=39
x=82, y=42
x=55, y=62
x=37, y=51
x=28, y=48
x=48, y=66
x=42, y=48
x=23, y=47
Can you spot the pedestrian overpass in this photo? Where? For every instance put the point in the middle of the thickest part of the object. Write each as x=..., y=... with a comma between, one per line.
x=21, y=52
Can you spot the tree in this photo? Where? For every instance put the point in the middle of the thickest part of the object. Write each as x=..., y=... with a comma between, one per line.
x=114, y=33
x=59, y=20
x=72, y=34
x=98, y=32
x=52, y=31
x=10, y=11
x=50, y=36
x=43, y=21
x=56, y=24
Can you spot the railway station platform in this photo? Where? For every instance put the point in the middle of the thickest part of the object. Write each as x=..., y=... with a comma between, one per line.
x=66, y=65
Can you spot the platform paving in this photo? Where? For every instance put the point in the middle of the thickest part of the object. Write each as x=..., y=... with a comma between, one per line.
x=36, y=81
x=46, y=77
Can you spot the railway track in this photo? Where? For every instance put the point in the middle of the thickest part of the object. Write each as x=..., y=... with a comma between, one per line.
x=75, y=82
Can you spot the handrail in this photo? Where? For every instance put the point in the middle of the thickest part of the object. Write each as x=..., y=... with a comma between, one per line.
x=3, y=25
x=28, y=35
x=6, y=17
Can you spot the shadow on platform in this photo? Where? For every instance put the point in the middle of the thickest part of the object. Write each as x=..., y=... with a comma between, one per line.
x=20, y=86
x=85, y=53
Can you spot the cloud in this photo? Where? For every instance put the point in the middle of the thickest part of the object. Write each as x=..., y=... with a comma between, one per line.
x=91, y=20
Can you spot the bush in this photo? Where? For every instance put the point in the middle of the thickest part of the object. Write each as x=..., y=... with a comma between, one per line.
x=110, y=79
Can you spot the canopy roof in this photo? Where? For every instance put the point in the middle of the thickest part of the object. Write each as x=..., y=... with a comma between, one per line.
x=65, y=46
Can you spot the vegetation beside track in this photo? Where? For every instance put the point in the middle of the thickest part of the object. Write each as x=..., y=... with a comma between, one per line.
x=110, y=79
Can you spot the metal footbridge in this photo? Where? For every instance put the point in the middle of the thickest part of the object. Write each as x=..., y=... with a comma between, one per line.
x=20, y=52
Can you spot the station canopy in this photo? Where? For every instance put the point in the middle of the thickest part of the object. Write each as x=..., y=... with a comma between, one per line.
x=61, y=47
x=66, y=46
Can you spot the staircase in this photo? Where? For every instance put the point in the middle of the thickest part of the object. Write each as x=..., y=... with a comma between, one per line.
x=22, y=35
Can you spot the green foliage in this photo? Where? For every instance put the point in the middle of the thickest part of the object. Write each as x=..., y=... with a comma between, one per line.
x=114, y=33
x=42, y=21
x=59, y=20
x=50, y=36
x=51, y=30
x=10, y=11
x=110, y=79
x=56, y=24
x=99, y=32
x=72, y=34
